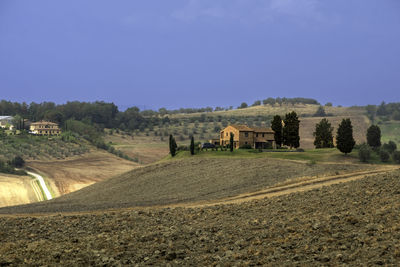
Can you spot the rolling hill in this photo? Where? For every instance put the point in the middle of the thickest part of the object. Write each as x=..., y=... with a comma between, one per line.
x=182, y=181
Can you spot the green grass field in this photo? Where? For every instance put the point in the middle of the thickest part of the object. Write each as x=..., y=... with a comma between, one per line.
x=390, y=131
x=313, y=156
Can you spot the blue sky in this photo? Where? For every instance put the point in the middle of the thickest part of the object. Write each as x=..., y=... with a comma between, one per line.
x=196, y=53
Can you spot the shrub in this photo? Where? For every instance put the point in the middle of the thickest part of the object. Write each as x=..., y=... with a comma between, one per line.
x=364, y=153
x=384, y=155
x=17, y=162
x=299, y=150
x=396, y=156
x=246, y=146
x=183, y=148
x=390, y=147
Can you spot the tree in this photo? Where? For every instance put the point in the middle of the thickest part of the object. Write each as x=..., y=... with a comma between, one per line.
x=276, y=125
x=172, y=146
x=18, y=122
x=390, y=147
x=231, y=142
x=323, y=134
x=243, y=105
x=396, y=156
x=320, y=112
x=291, y=130
x=364, y=154
x=374, y=136
x=257, y=103
x=344, y=137
x=17, y=162
x=192, y=146
x=384, y=155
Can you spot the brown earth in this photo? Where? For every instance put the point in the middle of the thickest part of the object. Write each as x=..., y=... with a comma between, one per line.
x=70, y=175
x=353, y=224
x=188, y=180
x=17, y=190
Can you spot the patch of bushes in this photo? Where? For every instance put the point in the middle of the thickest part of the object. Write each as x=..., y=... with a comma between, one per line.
x=384, y=156
x=8, y=168
x=390, y=147
x=246, y=146
x=364, y=153
x=396, y=157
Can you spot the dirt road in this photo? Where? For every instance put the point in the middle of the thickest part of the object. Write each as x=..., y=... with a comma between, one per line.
x=305, y=185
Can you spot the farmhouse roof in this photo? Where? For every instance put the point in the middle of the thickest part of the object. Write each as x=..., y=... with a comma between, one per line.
x=242, y=127
x=263, y=130
x=6, y=117
x=44, y=122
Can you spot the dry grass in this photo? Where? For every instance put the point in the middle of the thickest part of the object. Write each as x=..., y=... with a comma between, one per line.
x=70, y=175
x=266, y=110
x=147, y=149
x=16, y=190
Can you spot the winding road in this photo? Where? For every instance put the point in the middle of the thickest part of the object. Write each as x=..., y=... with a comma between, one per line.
x=42, y=185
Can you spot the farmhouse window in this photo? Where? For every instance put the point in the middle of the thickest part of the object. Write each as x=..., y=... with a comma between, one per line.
x=256, y=135
x=246, y=134
x=263, y=135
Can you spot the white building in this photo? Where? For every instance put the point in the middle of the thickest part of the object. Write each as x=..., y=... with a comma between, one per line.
x=6, y=122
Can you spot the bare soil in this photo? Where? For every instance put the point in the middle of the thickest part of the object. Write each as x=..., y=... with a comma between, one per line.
x=188, y=180
x=350, y=224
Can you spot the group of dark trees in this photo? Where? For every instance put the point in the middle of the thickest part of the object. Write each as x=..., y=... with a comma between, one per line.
x=286, y=130
x=323, y=135
x=374, y=145
x=284, y=100
x=280, y=101
x=385, y=111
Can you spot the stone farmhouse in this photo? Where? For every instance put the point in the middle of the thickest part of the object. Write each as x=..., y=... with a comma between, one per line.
x=44, y=128
x=6, y=122
x=244, y=136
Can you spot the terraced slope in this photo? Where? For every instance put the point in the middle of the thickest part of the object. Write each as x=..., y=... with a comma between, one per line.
x=352, y=224
x=187, y=180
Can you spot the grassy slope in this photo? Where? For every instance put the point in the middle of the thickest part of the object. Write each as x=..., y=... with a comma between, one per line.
x=390, y=131
x=186, y=180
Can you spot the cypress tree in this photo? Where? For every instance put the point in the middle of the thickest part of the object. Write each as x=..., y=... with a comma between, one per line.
x=192, y=146
x=291, y=130
x=374, y=136
x=170, y=143
x=231, y=142
x=323, y=134
x=276, y=126
x=172, y=146
x=344, y=138
x=320, y=112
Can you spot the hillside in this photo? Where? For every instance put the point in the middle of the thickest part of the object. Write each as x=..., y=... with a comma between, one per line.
x=355, y=223
x=187, y=180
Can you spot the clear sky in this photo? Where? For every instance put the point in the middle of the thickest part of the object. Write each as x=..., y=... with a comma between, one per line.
x=196, y=53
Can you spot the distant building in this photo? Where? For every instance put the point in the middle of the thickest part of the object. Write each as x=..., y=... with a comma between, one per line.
x=6, y=122
x=44, y=128
x=246, y=136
